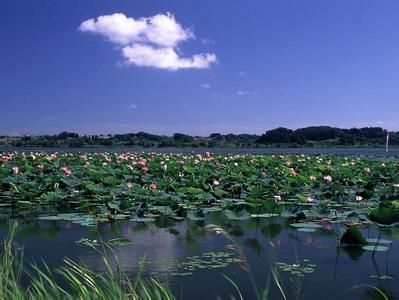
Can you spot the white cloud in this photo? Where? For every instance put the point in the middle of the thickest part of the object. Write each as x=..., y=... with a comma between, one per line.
x=133, y=106
x=242, y=93
x=205, y=85
x=208, y=41
x=163, y=30
x=164, y=58
x=246, y=93
x=242, y=73
x=117, y=28
x=150, y=42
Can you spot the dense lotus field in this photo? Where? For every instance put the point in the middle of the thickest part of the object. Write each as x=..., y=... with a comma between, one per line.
x=89, y=188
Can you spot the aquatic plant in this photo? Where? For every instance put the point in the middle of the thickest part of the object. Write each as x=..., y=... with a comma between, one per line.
x=80, y=282
x=109, y=186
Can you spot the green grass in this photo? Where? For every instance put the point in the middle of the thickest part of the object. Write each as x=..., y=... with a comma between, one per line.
x=80, y=282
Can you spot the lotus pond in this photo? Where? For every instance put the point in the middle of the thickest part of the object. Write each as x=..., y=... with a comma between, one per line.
x=214, y=225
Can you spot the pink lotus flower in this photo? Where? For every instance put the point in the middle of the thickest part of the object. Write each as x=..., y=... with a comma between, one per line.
x=327, y=178
x=15, y=170
x=277, y=198
x=216, y=183
x=5, y=159
x=129, y=185
x=153, y=186
x=310, y=199
x=359, y=198
x=66, y=171
x=312, y=178
x=366, y=170
x=293, y=172
x=145, y=169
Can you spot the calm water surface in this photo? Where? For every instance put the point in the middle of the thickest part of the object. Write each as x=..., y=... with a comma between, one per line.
x=262, y=241
x=393, y=152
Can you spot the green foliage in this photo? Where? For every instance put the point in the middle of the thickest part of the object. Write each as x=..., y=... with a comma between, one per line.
x=309, y=136
x=81, y=282
x=353, y=236
x=143, y=186
x=384, y=215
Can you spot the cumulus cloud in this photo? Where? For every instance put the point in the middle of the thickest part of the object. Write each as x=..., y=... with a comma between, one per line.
x=164, y=58
x=150, y=42
x=205, y=85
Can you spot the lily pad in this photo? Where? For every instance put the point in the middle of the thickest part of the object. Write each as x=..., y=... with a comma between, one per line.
x=266, y=215
x=306, y=225
x=381, y=241
x=145, y=219
x=237, y=215
x=49, y=218
x=376, y=248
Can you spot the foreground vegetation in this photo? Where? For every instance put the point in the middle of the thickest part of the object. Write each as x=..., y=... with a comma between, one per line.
x=316, y=136
x=79, y=282
x=142, y=186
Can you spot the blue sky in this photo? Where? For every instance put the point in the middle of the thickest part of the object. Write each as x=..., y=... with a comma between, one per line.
x=197, y=67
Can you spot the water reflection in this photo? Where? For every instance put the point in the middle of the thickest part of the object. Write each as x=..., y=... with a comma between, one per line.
x=264, y=242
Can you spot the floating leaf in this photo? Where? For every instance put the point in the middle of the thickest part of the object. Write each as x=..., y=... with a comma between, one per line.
x=376, y=248
x=266, y=215
x=120, y=241
x=49, y=218
x=145, y=219
x=195, y=215
x=381, y=241
x=306, y=225
x=237, y=215
x=353, y=236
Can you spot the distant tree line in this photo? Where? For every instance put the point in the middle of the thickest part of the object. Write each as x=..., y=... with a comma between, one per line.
x=314, y=136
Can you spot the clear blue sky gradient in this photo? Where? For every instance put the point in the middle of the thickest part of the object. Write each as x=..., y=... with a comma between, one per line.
x=296, y=63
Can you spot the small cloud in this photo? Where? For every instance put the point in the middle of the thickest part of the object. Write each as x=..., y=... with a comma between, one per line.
x=208, y=41
x=242, y=93
x=247, y=93
x=242, y=73
x=205, y=85
x=133, y=106
x=164, y=58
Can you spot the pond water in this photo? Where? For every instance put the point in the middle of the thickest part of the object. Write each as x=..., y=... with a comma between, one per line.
x=379, y=152
x=192, y=258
